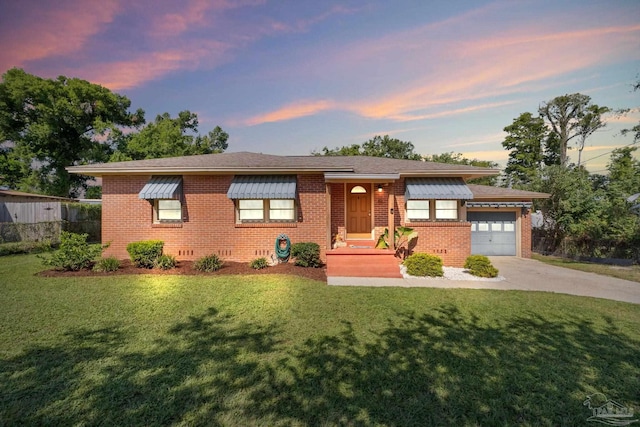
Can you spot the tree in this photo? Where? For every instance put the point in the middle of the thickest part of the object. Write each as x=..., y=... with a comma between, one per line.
x=574, y=208
x=214, y=142
x=170, y=137
x=589, y=214
x=459, y=159
x=588, y=124
x=525, y=138
x=624, y=170
x=47, y=125
x=566, y=116
x=376, y=147
x=623, y=226
x=93, y=192
x=636, y=129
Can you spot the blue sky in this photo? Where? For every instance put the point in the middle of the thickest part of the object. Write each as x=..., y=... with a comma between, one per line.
x=289, y=77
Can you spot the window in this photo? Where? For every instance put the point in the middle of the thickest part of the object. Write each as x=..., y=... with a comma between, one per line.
x=418, y=210
x=281, y=210
x=168, y=210
x=266, y=210
x=446, y=209
x=250, y=210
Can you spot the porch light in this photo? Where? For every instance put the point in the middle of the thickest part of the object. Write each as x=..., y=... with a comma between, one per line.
x=379, y=188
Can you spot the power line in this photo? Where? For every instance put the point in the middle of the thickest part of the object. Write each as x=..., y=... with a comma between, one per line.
x=608, y=152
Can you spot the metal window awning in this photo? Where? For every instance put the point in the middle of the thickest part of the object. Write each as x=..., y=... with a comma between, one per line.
x=162, y=187
x=499, y=205
x=437, y=188
x=262, y=187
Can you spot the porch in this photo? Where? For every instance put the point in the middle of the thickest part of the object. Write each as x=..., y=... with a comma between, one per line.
x=359, y=258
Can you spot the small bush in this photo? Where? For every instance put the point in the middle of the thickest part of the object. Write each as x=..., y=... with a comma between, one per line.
x=74, y=253
x=259, y=263
x=420, y=264
x=107, y=264
x=145, y=253
x=307, y=254
x=479, y=265
x=208, y=263
x=165, y=262
x=25, y=247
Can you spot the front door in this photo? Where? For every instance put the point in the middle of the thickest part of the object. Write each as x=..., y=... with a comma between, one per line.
x=358, y=208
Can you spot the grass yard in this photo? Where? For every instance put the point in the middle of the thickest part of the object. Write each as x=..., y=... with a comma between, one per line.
x=627, y=273
x=285, y=351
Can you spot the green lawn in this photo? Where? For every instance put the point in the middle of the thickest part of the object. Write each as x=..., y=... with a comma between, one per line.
x=280, y=351
x=627, y=273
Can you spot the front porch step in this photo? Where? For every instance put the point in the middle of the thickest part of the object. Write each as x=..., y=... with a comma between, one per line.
x=362, y=262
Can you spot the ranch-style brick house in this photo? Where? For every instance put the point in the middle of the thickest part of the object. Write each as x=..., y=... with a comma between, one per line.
x=235, y=205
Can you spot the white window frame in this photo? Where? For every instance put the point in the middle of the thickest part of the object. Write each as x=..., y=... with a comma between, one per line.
x=411, y=211
x=269, y=213
x=159, y=212
x=440, y=210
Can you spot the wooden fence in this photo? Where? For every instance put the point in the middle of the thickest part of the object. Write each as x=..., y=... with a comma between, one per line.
x=29, y=220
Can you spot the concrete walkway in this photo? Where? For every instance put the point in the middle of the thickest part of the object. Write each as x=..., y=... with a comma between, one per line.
x=521, y=274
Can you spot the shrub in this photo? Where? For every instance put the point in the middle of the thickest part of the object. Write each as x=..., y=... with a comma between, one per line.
x=307, y=254
x=420, y=264
x=165, y=262
x=107, y=264
x=25, y=247
x=259, y=263
x=145, y=253
x=208, y=263
x=479, y=265
x=74, y=253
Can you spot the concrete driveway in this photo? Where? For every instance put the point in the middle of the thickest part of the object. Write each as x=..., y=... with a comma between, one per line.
x=522, y=274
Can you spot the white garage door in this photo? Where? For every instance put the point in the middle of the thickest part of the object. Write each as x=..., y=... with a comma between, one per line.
x=493, y=233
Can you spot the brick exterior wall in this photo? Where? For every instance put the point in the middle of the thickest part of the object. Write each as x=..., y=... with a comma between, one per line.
x=525, y=232
x=338, y=219
x=451, y=241
x=209, y=225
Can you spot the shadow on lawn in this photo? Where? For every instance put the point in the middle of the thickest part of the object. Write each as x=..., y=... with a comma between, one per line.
x=449, y=369
x=443, y=368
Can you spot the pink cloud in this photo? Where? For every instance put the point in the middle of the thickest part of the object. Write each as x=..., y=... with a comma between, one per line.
x=303, y=25
x=149, y=66
x=62, y=28
x=497, y=66
x=194, y=13
x=468, y=70
x=292, y=111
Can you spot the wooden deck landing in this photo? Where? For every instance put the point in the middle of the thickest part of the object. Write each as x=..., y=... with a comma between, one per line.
x=360, y=259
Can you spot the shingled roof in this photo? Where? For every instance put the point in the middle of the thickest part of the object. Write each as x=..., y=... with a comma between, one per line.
x=246, y=162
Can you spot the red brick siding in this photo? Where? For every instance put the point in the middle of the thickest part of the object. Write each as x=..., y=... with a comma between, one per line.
x=209, y=219
x=380, y=201
x=451, y=241
x=338, y=220
x=525, y=232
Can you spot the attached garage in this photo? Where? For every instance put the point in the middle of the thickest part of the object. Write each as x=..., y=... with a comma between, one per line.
x=493, y=233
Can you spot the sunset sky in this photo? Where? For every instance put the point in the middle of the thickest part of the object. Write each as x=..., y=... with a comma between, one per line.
x=289, y=77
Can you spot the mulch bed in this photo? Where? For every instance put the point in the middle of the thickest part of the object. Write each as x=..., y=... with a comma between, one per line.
x=186, y=268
